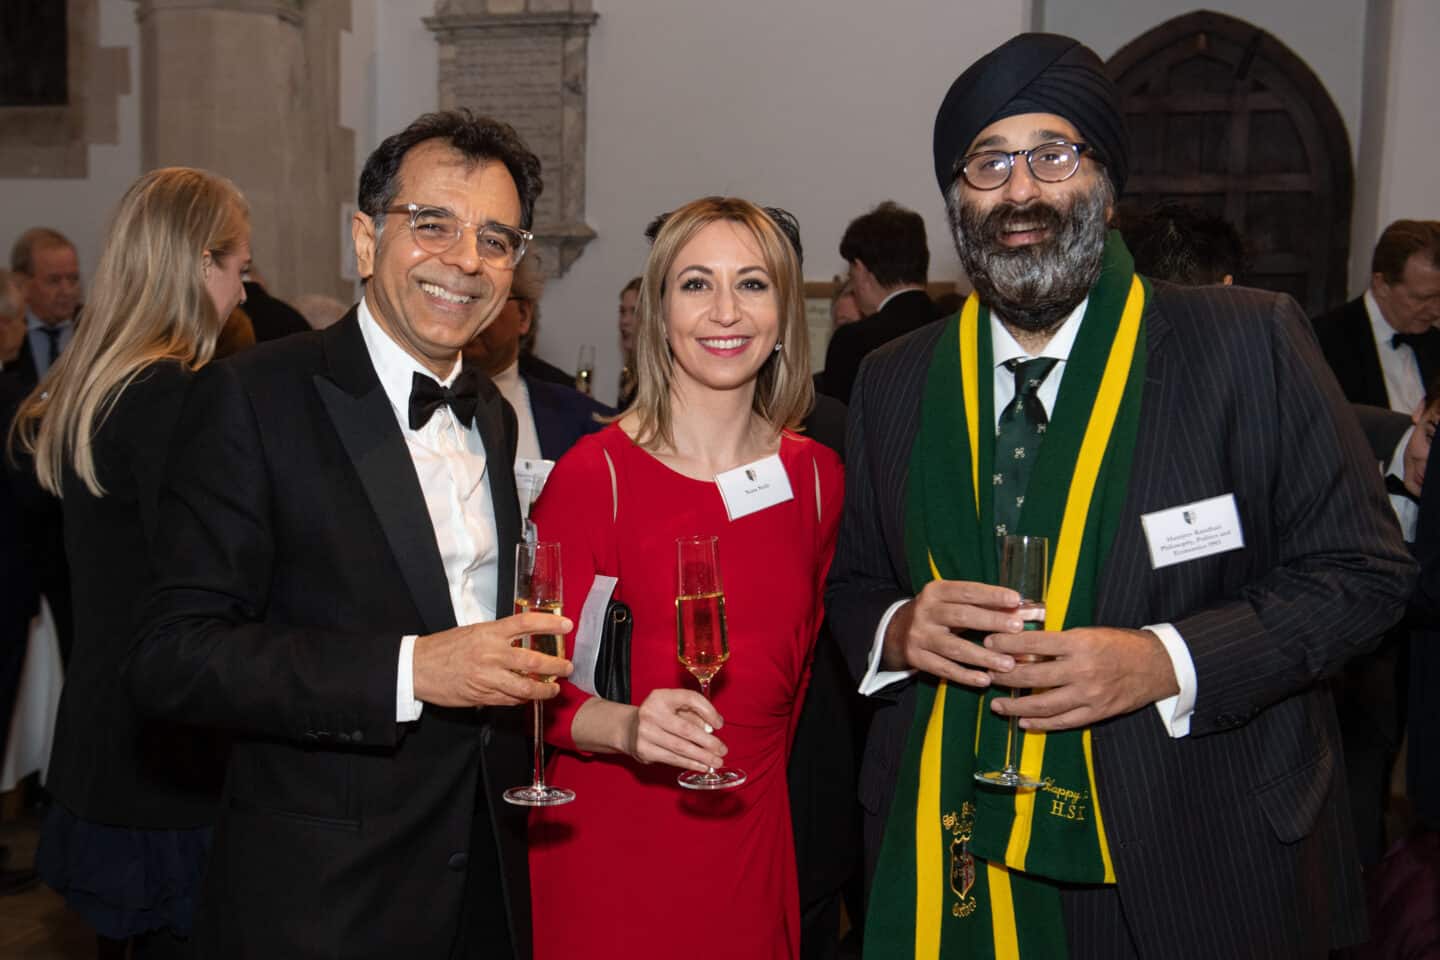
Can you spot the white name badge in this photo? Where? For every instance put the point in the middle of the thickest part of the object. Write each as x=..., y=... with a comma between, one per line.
x=755, y=486
x=1200, y=529
x=530, y=477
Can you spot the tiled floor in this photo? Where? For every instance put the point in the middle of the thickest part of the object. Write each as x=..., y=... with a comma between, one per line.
x=35, y=925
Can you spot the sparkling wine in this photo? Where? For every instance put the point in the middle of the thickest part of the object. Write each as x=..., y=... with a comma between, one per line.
x=1032, y=613
x=700, y=627
x=582, y=380
x=550, y=644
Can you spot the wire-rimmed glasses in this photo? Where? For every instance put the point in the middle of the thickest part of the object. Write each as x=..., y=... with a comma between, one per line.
x=436, y=230
x=1049, y=162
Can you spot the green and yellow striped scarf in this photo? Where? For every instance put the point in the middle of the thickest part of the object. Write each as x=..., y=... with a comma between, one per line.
x=924, y=902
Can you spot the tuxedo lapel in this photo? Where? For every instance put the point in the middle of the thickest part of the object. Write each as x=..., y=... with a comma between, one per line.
x=366, y=425
x=496, y=423
x=1365, y=355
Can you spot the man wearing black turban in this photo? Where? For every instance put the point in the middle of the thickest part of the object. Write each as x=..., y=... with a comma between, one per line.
x=1218, y=542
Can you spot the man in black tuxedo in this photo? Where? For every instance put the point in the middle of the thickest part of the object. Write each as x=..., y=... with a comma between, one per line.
x=1212, y=745
x=1385, y=352
x=1383, y=345
x=550, y=416
x=339, y=528
x=888, y=260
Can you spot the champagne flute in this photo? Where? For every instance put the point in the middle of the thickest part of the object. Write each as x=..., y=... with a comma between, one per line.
x=585, y=369
x=701, y=641
x=537, y=588
x=1024, y=566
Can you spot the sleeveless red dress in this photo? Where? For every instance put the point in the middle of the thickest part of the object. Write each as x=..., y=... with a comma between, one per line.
x=638, y=866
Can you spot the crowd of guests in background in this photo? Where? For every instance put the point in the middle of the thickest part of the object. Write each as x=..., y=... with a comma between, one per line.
x=277, y=543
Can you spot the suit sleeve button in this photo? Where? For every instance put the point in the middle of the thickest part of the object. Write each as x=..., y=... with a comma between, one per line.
x=458, y=861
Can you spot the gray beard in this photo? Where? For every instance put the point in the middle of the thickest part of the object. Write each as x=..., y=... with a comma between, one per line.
x=1033, y=288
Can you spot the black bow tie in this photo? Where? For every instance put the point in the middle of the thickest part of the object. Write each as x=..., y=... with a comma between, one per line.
x=1396, y=487
x=1412, y=340
x=427, y=396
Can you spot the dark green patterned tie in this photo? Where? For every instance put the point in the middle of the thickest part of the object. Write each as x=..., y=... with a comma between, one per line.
x=1017, y=440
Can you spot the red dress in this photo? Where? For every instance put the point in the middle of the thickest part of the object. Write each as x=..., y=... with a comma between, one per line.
x=638, y=866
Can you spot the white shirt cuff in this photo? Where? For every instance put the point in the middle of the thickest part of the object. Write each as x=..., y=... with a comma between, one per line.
x=1175, y=712
x=876, y=679
x=407, y=708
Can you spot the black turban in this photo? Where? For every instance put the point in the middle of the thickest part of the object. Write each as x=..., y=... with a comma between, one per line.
x=1034, y=73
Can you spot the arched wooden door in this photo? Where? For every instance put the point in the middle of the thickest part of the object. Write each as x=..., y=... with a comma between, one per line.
x=1226, y=118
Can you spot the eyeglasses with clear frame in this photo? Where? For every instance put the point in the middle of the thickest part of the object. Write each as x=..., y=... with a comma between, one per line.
x=436, y=230
x=1051, y=162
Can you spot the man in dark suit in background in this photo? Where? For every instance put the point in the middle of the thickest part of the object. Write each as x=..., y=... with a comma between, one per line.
x=551, y=417
x=1384, y=350
x=889, y=261
x=1185, y=684
x=49, y=269
x=337, y=555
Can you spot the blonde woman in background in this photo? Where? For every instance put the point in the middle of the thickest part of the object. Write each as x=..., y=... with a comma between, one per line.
x=126, y=836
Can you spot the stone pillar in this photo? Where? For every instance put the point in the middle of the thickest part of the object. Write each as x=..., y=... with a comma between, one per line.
x=524, y=62
x=250, y=89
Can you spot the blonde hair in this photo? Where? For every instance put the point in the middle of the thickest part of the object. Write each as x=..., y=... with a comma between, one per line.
x=149, y=302
x=784, y=392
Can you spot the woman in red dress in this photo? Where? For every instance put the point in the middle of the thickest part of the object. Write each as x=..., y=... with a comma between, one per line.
x=638, y=866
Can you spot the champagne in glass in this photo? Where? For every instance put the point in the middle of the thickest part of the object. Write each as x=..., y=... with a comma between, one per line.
x=538, y=588
x=701, y=641
x=550, y=644
x=1024, y=567
x=585, y=370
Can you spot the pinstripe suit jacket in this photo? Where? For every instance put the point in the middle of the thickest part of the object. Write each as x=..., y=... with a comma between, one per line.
x=1235, y=840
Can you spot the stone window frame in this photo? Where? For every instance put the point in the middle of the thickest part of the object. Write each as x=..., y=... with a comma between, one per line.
x=54, y=141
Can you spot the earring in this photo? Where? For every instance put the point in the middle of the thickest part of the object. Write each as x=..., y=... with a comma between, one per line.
x=777, y=347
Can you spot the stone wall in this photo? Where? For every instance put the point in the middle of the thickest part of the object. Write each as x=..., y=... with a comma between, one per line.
x=54, y=141
x=524, y=62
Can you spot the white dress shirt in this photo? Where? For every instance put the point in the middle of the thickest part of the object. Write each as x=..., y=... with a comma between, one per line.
x=1175, y=711
x=513, y=388
x=1405, y=390
x=450, y=464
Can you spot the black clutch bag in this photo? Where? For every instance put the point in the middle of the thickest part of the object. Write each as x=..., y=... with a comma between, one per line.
x=612, y=660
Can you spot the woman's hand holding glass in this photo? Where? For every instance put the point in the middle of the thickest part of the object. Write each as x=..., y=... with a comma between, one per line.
x=676, y=727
